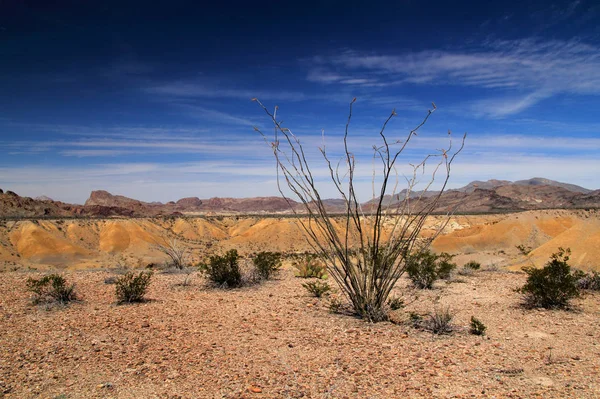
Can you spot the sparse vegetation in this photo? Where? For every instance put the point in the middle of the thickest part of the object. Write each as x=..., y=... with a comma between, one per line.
x=524, y=249
x=552, y=286
x=395, y=303
x=473, y=265
x=224, y=270
x=335, y=304
x=317, y=288
x=416, y=320
x=439, y=322
x=131, y=288
x=469, y=268
x=51, y=288
x=587, y=281
x=309, y=266
x=477, y=327
x=365, y=258
x=267, y=264
x=425, y=267
x=176, y=252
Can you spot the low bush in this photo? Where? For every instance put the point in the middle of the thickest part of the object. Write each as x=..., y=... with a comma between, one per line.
x=477, y=327
x=395, y=303
x=224, y=271
x=317, y=288
x=336, y=305
x=425, y=267
x=131, y=287
x=439, y=322
x=587, y=281
x=524, y=250
x=267, y=264
x=472, y=265
x=416, y=320
x=51, y=288
x=552, y=286
x=309, y=266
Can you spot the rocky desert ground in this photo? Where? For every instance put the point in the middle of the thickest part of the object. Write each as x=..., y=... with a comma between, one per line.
x=274, y=340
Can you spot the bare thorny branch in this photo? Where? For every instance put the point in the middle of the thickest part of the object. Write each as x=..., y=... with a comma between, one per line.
x=366, y=254
x=177, y=252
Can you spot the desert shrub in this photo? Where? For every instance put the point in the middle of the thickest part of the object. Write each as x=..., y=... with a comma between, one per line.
x=131, y=287
x=551, y=286
x=425, y=267
x=177, y=253
x=416, y=320
x=587, y=281
x=469, y=268
x=335, y=304
x=524, y=250
x=267, y=264
x=368, y=274
x=472, y=265
x=51, y=288
x=309, y=266
x=477, y=327
x=395, y=303
x=439, y=322
x=317, y=288
x=224, y=270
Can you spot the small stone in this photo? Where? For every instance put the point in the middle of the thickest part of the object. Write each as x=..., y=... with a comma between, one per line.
x=254, y=389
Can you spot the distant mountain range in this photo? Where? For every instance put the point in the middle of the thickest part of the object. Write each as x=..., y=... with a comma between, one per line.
x=476, y=197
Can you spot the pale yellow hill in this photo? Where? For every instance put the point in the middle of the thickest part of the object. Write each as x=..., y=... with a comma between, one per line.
x=45, y=243
x=583, y=238
x=106, y=243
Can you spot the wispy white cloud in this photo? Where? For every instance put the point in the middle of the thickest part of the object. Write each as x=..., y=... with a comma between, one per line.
x=213, y=115
x=201, y=89
x=519, y=72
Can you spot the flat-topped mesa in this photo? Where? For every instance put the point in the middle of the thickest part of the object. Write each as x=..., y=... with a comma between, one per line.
x=189, y=202
x=104, y=198
x=254, y=204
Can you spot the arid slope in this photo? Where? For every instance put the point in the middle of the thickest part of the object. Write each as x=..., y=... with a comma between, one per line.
x=84, y=244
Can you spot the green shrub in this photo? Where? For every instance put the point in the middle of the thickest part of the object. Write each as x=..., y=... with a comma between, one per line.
x=317, y=288
x=51, y=288
x=425, y=267
x=309, y=266
x=416, y=320
x=267, y=264
x=131, y=287
x=395, y=303
x=224, y=271
x=472, y=265
x=477, y=327
x=553, y=285
x=525, y=250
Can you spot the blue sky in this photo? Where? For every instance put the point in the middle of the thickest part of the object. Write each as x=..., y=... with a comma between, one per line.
x=152, y=101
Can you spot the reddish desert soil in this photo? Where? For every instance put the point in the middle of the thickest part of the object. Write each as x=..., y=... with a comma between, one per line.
x=274, y=341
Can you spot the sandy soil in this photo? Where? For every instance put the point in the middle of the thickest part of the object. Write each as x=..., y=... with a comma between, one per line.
x=274, y=341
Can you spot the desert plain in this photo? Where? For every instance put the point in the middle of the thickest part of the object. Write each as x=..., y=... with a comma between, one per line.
x=274, y=340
